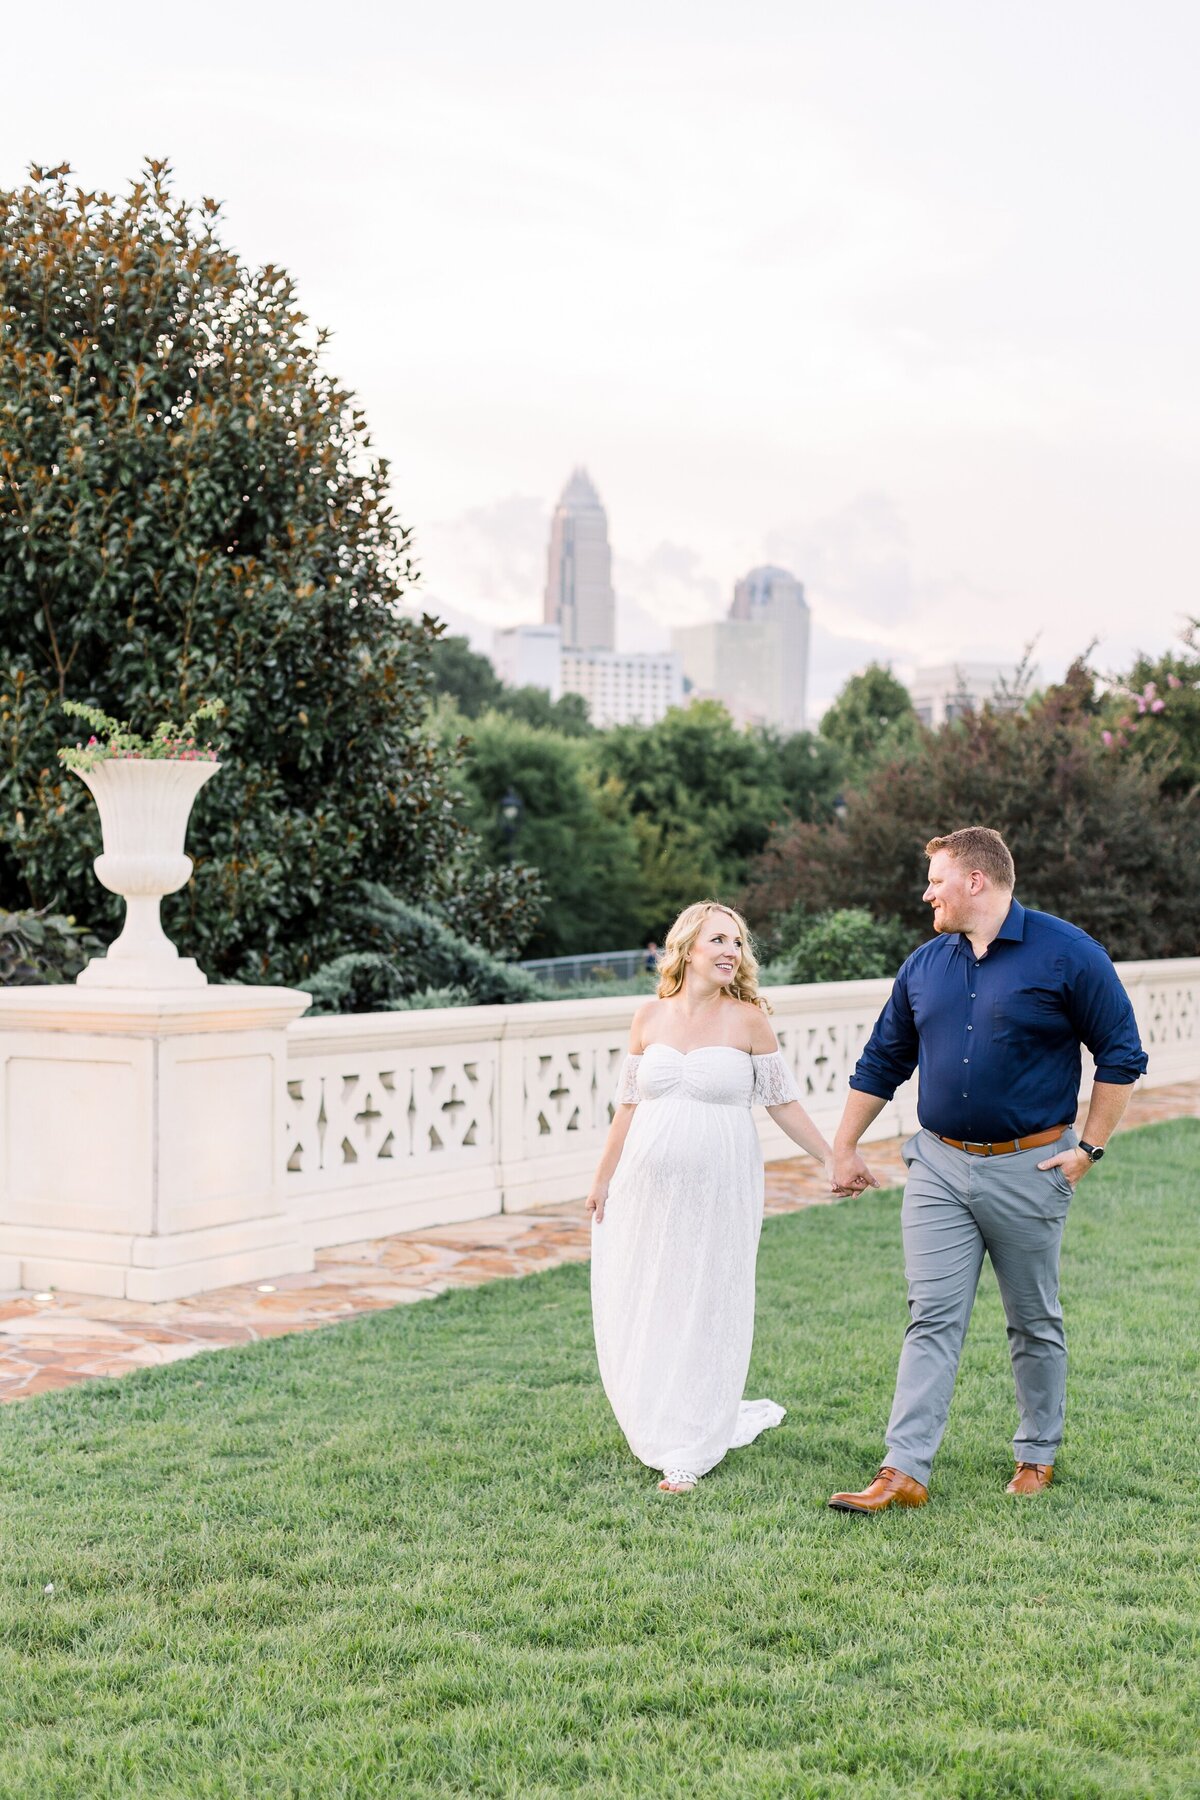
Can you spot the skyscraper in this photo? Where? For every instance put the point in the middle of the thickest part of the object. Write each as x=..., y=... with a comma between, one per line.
x=579, y=590
x=769, y=596
x=756, y=660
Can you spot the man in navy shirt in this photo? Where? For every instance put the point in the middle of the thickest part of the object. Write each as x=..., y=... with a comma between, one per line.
x=992, y=1012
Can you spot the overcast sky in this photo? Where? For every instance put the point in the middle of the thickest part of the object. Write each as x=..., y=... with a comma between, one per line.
x=902, y=297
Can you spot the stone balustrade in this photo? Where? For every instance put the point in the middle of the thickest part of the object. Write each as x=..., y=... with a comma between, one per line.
x=397, y=1120
x=160, y=1144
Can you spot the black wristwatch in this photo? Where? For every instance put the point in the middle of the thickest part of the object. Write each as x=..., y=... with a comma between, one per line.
x=1091, y=1151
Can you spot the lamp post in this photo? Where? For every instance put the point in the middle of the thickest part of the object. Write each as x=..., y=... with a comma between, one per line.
x=840, y=809
x=511, y=809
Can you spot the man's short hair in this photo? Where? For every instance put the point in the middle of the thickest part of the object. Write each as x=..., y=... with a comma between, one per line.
x=983, y=849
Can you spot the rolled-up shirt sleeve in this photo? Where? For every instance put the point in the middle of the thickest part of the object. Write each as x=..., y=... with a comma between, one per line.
x=1102, y=1014
x=892, y=1049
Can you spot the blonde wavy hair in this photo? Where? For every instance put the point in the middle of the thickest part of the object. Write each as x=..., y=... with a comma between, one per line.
x=672, y=958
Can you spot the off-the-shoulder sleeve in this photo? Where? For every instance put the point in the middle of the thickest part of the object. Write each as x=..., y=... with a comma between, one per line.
x=627, y=1087
x=774, y=1083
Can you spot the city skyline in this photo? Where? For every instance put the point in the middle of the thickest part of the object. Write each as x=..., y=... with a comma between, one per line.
x=637, y=633
x=901, y=302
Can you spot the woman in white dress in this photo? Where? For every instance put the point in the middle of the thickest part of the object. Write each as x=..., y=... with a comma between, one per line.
x=677, y=1202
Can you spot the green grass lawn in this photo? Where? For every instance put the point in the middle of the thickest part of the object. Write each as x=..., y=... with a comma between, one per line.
x=411, y=1555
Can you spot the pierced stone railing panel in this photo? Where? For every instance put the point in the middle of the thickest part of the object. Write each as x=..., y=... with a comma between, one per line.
x=568, y=1088
x=379, y=1116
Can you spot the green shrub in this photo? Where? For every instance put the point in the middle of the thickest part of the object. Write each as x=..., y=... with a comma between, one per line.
x=39, y=949
x=416, y=961
x=843, y=945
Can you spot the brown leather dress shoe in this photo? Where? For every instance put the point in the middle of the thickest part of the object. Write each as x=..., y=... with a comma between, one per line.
x=1031, y=1478
x=889, y=1488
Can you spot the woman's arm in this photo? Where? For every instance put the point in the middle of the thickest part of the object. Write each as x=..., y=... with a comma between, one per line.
x=606, y=1168
x=791, y=1116
x=793, y=1120
x=618, y=1131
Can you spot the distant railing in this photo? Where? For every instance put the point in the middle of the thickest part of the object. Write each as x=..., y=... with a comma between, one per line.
x=565, y=971
x=418, y=1118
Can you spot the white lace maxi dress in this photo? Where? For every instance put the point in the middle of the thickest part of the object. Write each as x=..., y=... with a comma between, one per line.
x=673, y=1259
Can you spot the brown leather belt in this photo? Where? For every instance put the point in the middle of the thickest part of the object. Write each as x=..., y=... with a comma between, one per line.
x=1036, y=1142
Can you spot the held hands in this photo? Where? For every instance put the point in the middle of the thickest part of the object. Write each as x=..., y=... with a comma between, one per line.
x=848, y=1173
x=1073, y=1163
x=596, y=1200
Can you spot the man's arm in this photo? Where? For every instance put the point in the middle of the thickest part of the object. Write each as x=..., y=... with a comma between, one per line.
x=1108, y=1103
x=850, y=1173
x=1100, y=1010
x=1103, y=1016
x=888, y=1059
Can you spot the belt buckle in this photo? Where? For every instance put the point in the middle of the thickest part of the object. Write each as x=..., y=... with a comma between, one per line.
x=977, y=1149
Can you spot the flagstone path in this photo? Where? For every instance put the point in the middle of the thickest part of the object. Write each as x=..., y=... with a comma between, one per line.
x=54, y=1340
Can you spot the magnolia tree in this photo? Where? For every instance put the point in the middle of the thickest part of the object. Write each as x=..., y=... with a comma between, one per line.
x=191, y=507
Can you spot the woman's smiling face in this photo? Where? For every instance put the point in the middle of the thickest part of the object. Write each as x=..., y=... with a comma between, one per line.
x=717, y=952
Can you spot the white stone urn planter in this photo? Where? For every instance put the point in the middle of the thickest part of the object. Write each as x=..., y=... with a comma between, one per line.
x=144, y=805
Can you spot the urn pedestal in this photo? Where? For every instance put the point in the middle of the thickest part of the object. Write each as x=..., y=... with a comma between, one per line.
x=143, y=1147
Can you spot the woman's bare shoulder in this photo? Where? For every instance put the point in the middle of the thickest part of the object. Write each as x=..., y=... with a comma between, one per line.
x=641, y=1026
x=762, y=1032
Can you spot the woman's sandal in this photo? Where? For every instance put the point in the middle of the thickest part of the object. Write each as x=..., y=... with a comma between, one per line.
x=677, y=1481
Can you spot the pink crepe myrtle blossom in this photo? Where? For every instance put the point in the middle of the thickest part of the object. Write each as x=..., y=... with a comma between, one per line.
x=113, y=738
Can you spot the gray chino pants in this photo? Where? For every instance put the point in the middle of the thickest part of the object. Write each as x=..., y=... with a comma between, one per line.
x=956, y=1207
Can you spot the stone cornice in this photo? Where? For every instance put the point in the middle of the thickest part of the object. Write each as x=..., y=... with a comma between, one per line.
x=149, y=1012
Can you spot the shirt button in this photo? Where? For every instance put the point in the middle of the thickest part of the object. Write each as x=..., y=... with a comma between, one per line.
x=964, y=1093
x=970, y=1028
x=972, y=996
x=966, y=1059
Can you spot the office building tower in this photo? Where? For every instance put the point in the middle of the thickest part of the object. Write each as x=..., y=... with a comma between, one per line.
x=579, y=590
x=944, y=691
x=633, y=688
x=529, y=656
x=755, y=661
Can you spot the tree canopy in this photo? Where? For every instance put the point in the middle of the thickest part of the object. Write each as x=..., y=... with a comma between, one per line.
x=1094, y=836
x=573, y=827
x=700, y=781
x=871, y=721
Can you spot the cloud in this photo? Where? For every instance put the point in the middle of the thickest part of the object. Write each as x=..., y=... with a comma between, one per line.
x=487, y=564
x=668, y=587
x=856, y=562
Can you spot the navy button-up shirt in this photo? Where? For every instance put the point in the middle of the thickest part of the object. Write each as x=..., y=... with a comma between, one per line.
x=996, y=1038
